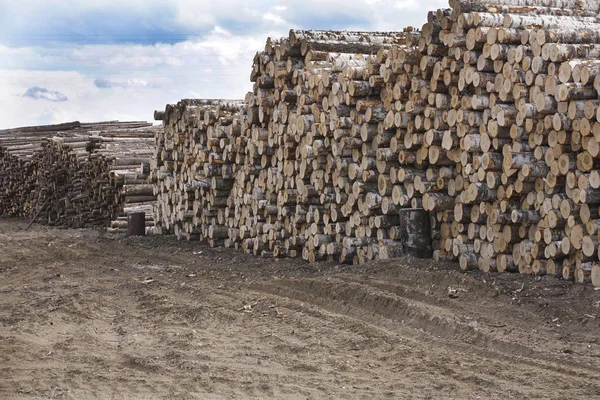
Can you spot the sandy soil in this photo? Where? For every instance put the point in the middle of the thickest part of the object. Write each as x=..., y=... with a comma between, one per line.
x=85, y=315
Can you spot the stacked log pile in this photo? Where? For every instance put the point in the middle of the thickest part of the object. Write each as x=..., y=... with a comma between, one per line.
x=317, y=170
x=194, y=164
x=118, y=179
x=20, y=152
x=517, y=133
x=77, y=175
x=283, y=152
x=487, y=118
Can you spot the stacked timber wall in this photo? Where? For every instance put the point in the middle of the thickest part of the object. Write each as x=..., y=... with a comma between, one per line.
x=76, y=174
x=488, y=118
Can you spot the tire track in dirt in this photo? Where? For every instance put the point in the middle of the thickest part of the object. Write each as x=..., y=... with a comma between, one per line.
x=395, y=308
x=383, y=330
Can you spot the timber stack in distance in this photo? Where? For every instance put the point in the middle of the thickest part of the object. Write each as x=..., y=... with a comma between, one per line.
x=487, y=118
x=77, y=174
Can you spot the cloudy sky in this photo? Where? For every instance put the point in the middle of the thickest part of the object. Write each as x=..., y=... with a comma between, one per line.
x=94, y=60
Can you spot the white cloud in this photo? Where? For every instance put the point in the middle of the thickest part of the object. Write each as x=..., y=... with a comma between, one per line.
x=40, y=93
x=131, y=81
x=274, y=18
x=102, y=83
x=408, y=5
x=117, y=79
x=54, y=115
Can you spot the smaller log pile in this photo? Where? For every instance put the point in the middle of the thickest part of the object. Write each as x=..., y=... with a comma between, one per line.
x=120, y=169
x=77, y=175
x=195, y=162
x=20, y=153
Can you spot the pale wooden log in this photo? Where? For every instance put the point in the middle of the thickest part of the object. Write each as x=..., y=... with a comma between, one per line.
x=566, y=7
x=521, y=21
x=595, y=274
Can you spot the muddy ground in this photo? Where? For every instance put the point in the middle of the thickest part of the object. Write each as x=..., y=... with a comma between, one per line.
x=86, y=315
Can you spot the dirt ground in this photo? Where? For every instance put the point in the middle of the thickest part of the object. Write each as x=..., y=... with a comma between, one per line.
x=86, y=315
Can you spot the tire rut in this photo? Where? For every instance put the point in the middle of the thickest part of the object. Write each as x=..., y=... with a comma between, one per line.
x=395, y=311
